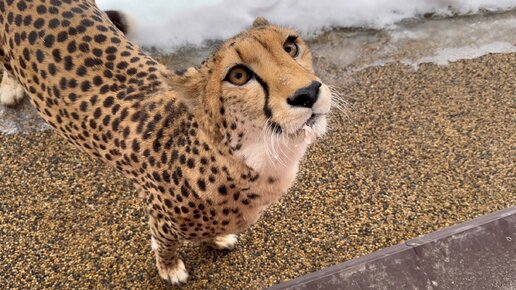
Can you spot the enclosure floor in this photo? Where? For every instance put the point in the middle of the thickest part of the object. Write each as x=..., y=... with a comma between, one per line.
x=420, y=150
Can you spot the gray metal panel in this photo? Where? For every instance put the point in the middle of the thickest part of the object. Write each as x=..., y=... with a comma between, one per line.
x=478, y=254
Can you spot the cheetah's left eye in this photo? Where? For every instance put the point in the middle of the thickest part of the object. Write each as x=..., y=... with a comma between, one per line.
x=239, y=75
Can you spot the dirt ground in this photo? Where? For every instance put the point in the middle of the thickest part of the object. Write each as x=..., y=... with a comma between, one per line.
x=419, y=150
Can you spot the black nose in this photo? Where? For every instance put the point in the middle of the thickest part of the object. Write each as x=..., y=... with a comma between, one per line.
x=305, y=97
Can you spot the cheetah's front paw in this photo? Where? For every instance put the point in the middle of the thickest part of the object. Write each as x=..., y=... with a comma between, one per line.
x=11, y=92
x=226, y=242
x=175, y=275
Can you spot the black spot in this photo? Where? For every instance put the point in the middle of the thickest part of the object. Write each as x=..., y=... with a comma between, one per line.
x=87, y=23
x=72, y=97
x=68, y=14
x=68, y=63
x=100, y=38
x=115, y=124
x=111, y=50
x=33, y=36
x=101, y=28
x=55, y=2
x=166, y=176
x=63, y=83
x=21, y=5
x=122, y=65
x=136, y=146
x=106, y=120
x=156, y=145
x=56, y=53
x=81, y=71
x=53, y=23
x=18, y=20
x=27, y=20
x=97, y=52
x=72, y=31
x=121, y=78
x=85, y=86
x=80, y=28
x=72, y=83
x=108, y=102
x=97, y=113
x=39, y=23
x=62, y=36
x=184, y=191
x=156, y=176
x=40, y=56
x=41, y=9
x=223, y=190
x=93, y=124
x=84, y=106
x=72, y=46
x=84, y=47
x=52, y=69
x=190, y=163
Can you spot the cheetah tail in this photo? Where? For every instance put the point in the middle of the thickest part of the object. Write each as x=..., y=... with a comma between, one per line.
x=122, y=21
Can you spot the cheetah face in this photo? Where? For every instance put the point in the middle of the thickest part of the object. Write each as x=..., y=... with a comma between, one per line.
x=262, y=82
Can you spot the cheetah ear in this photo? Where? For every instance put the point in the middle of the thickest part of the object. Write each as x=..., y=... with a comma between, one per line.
x=187, y=84
x=260, y=21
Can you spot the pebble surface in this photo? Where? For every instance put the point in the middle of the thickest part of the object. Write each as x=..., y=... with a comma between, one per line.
x=418, y=151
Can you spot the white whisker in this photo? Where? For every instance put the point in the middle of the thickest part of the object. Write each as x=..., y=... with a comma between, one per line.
x=265, y=134
x=340, y=104
x=276, y=148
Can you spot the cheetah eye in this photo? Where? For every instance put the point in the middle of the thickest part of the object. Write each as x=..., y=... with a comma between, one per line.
x=291, y=47
x=239, y=75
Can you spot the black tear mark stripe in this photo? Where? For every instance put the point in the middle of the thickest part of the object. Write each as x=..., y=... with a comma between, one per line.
x=266, y=108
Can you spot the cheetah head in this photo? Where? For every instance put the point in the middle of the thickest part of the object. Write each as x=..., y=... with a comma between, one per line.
x=257, y=87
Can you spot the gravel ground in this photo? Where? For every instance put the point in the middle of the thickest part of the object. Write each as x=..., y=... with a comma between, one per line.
x=420, y=150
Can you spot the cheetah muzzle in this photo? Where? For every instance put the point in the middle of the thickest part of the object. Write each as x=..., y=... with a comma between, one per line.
x=209, y=148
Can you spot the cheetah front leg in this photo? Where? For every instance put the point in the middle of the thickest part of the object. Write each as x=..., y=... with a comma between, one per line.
x=226, y=242
x=11, y=91
x=164, y=243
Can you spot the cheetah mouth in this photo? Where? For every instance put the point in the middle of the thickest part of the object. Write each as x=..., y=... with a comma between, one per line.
x=315, y=125
x=312, y=120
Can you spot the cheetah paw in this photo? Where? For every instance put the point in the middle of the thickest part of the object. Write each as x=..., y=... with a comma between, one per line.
x=226, y=242
x=176, y=275
x=11, y=92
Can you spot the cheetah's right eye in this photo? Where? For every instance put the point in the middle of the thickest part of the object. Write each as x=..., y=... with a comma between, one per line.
x=239, y=75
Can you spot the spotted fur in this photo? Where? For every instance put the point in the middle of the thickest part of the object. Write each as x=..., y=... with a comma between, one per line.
x=206, y=155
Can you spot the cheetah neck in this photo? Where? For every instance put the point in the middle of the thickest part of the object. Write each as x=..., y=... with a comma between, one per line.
x=277, y=160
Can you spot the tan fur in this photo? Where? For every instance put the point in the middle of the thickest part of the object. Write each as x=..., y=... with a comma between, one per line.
x=207, y=156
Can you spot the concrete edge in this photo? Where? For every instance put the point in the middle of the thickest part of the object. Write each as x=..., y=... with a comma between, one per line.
x=395, y=251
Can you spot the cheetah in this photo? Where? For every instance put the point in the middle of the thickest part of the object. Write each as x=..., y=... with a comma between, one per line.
x=208, y=148
x=11, y=92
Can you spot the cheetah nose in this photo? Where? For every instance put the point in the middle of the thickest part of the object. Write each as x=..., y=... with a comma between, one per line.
x=305, y=97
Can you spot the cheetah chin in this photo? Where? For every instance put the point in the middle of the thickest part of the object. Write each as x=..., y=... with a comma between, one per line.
x=208, y=148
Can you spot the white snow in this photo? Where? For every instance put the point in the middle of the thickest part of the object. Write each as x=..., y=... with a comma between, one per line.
x=172, y=23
